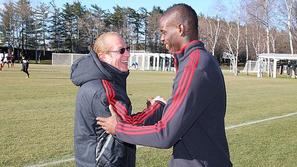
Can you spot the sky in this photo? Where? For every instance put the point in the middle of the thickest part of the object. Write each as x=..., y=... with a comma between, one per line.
x=206, y=7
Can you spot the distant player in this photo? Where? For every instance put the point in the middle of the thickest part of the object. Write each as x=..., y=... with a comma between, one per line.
x=1, y=61
x=25, y=65
x=5, y=59
x=11, y=57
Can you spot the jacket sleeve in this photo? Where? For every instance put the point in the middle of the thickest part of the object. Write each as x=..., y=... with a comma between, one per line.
x=192, y=87
x=151, y=114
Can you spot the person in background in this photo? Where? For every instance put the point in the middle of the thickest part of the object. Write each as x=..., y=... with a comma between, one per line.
x=25, y=64
x=11, y=56
x=2, y=56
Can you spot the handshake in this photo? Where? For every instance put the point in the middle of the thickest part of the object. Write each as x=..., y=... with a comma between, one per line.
x=151, y=101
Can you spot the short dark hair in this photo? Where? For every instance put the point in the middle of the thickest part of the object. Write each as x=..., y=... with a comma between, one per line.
x=185, y=14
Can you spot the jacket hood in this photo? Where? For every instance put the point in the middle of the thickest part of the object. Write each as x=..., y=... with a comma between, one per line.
x=88, y=68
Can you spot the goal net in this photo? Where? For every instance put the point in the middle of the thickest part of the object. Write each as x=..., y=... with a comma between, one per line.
x=251, y=66
x=65, y=58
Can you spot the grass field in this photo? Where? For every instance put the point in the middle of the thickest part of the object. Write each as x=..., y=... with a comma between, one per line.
x=36, y=117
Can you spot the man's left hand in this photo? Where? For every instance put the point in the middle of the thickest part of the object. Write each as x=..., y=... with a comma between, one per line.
x=151, y=101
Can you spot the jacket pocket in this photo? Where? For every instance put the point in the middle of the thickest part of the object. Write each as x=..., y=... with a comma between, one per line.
x=101, y=148
x=113, y=153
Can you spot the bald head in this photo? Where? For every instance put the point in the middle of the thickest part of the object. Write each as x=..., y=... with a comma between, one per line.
x=185, y=15
x=104, y=42
x=111, y=48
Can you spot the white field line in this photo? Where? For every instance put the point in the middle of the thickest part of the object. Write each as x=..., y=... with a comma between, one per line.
x=53, y=162
x=260, y=121
x=227, y=128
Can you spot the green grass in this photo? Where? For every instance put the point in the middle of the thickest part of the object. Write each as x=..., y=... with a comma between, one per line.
x=270, y=144
x=36, y=117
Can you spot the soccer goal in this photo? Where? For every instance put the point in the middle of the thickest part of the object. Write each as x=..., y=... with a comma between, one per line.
x=65, y=58
x=251, y=66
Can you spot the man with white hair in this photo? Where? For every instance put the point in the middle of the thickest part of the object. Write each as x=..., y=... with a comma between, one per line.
x=102, y=76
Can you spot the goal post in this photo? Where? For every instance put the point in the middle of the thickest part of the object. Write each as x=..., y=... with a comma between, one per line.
x=251, y=66
x=65, y=58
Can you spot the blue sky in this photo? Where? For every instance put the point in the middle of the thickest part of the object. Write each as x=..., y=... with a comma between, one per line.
x=206, y=7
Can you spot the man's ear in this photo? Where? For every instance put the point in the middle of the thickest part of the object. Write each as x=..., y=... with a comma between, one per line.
x=105, y=58
x=181, y=29
x=101, y=56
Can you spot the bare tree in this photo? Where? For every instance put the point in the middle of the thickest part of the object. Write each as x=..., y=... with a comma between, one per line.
x=233, y=39
x=294, y=21
x=256, y=34
x=273, y=35
x=289, y=7
x=245, y=18
x=233, y=35
x=213, y=30
x=263, y=11
x=267, y=25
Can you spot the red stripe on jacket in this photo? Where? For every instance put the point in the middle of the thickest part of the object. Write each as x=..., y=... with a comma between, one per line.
x=121, y=110
x=110, y=98
x=165, y=119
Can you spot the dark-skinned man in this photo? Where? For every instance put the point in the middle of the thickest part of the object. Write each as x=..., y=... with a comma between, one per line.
x=193, y=119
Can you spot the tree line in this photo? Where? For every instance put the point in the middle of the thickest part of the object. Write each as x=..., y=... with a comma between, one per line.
x=252, y=27
x=73, y=28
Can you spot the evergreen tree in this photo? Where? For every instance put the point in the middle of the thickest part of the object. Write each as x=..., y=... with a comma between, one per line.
x=41, y=27
x=98, y=22
x=71, y=16
x=56, y=29
x=7, y=23
x=117, y=19
x=24, y=24
x=153, y=33
x=137, y=25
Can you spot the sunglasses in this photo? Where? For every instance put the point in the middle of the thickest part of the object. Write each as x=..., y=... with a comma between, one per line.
x=122, y=50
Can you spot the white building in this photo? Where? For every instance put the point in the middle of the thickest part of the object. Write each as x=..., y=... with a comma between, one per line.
x=151, y=61
x=269, y=61
x=138, y=61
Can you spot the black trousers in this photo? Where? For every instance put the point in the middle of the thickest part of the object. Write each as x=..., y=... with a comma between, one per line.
x=25, y=67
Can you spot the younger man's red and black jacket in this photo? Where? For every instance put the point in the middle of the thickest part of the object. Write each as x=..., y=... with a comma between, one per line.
x=193, y=119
